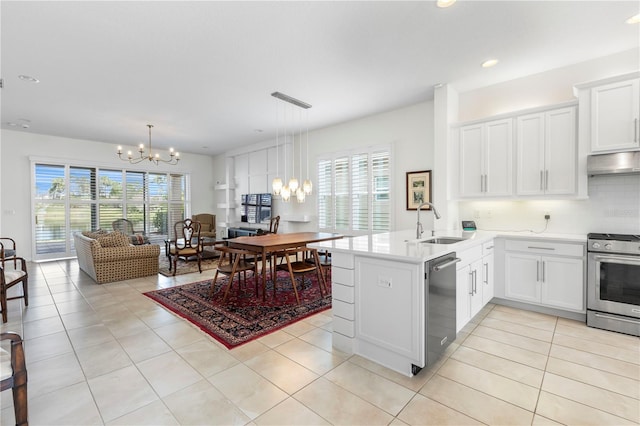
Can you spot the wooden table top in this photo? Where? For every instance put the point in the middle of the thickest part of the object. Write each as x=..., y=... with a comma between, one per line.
x=283, y=240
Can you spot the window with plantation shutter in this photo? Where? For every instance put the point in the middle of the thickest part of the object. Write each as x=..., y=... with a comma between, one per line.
x=354, y=192
x=69, y=199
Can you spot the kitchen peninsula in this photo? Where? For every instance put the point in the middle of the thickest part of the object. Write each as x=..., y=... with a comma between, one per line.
x=380, y=293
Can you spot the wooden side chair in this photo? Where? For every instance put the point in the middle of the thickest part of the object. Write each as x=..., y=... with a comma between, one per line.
x=234, y=261
x=274, y=223
x=9, y=278
x=186, y=243
x=300, y=267
x=13, y=375
x=7, y=249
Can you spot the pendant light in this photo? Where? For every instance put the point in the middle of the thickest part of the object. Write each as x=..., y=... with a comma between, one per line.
x=276, y=185
x=293, y=182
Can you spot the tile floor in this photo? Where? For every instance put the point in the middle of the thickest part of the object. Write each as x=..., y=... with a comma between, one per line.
x=106, y=354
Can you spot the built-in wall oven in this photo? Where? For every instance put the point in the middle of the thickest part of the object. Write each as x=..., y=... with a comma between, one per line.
x=613, y=282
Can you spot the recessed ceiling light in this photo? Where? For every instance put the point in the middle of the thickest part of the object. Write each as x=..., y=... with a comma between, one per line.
x=445, y=3
x=489, y=63
x=634, y=19
x=28, y=78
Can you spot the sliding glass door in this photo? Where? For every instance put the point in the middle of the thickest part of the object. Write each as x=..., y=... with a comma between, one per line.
x=68, y=199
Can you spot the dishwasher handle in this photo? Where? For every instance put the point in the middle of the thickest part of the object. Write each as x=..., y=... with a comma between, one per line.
x=443, y=265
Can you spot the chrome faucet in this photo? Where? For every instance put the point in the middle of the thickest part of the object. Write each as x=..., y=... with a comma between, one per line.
x=419, y=230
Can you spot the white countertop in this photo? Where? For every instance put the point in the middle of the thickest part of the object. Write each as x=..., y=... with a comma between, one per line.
x=403, y=245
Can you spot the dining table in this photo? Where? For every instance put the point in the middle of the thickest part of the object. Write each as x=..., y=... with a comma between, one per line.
x=262, y=245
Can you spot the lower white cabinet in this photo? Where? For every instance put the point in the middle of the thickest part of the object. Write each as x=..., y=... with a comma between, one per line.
x=474, y=282
x=554, y=280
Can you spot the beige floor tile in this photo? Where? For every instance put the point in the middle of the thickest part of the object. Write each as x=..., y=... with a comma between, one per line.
x=249, y=391
x=312, y=357
x=623, y=341
x=543, y=421
x=121, y=392
x=154, y=414
x=500, y=366
x=290, y=412
x=320, y=338
x=100, y=359
x=319, y=320
x=80, y=319
x=528, y=318
x=424, y=411
x=207, y=357
x=601, y=399
x=520, y=329
x=157, y=317
x=503, y=350
x=125, y=326
x=595, y=377
x=155, y=371
x=281, y=371
x=71, y=405
x=248, y=350
x=144, y=345
x=600, y=362
x=299, y=328
x=414, y=383
x=178, y=334
x=569, y=412
x=89, y=336
x=381, y=392
x=516, y=340
x=597, y=348
x=203, y=404
x=276, y=338
x=43, y=327
x=509, y=390
x=338, y=406
x=43, y=300
x=473, y=403
x=55, y=373
x=34, y=313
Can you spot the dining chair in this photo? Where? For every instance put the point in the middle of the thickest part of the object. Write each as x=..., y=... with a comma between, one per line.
x=274, y=223
x=7, y=249
x=186, y=243
x=9, y=278
x=325, y=262
x=300, y=268
x=13, y=375
x=234, y=261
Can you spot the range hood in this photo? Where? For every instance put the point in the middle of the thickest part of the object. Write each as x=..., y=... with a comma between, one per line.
x=616, y=163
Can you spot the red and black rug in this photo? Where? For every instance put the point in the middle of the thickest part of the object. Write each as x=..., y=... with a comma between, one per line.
x=243, y=317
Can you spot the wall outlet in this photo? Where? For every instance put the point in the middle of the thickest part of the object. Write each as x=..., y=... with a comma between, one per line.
x=384, y=282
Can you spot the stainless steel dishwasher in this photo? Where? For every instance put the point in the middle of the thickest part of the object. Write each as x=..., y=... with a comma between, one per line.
x=440, y=280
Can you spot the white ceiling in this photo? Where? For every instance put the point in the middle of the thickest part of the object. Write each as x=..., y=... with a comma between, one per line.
x=202, y=72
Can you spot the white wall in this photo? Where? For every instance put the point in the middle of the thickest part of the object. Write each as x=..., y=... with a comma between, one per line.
x=15, y=168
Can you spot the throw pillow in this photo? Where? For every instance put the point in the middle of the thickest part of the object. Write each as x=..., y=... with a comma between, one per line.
x=95, y=234
x=114, y=239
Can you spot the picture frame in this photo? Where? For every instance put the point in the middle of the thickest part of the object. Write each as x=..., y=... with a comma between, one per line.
x=418, y=188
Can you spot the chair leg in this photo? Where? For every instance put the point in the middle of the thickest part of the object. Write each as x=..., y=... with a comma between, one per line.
x=25, y=291
x=213, y=284
x=200, y=262
x=175, y=261
x=3, y=303
x=293, y=281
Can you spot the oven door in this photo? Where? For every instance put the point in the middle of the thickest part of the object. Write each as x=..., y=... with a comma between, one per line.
x=614, y=284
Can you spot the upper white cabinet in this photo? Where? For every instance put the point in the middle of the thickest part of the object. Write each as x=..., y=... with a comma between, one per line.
x=546, y=152
x=486, y=159
x=615, y=116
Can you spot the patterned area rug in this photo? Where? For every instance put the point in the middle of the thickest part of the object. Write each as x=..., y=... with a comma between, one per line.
x=244, y=317
x=185, y=267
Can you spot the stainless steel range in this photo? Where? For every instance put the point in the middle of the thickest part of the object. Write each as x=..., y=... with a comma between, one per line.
x=613, y=282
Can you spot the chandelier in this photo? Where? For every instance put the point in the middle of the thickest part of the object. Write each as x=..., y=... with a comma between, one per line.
x=293, y=187
x=174, y=157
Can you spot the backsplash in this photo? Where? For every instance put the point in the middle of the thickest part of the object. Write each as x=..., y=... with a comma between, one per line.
x=613, y=206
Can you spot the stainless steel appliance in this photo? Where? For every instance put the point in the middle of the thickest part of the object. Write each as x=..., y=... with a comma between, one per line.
x=613, y=282
x=614, y=163
x=440, y=279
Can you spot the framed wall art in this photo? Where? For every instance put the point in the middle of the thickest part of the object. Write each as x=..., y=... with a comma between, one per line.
x=418, y=188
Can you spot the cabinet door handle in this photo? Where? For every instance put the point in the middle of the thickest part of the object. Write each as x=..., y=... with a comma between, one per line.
x=541, y=180
x=486, y=184
x=540, y=248
x=537, y=270
x=471, y=282
x=486, y=273
x=546, y=180
x=543, y=270
x=475, y=281
x=481, y=183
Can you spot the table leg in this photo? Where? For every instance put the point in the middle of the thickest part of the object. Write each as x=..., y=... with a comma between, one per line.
x=264, y=275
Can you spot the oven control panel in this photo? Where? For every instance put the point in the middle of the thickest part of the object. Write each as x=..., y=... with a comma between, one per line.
x=604, y=246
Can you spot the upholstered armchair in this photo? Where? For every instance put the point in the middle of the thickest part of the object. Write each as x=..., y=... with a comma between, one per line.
x=126, y=227
x=207, y=224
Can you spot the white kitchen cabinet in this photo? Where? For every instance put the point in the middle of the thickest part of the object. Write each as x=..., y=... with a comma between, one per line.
x=615, y=116
x=487, y=273
x=545, y=273
x=486, y=159
x=546, y=152
x=474, y=276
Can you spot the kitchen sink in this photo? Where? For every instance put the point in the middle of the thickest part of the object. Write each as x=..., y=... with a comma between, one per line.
x=442, y=240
